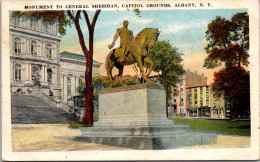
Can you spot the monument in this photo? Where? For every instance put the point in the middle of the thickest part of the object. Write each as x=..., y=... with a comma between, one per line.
x=135, y=117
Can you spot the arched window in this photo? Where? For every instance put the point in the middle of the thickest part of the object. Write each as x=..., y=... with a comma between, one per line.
x=33, y=48
x=49, y=75
x=17, y=45
x=17, y=72
x=48, y=51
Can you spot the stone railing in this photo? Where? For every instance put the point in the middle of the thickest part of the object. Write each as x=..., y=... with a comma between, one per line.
x=51, y=101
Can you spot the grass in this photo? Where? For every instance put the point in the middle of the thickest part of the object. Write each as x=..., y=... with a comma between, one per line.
x=220, y=126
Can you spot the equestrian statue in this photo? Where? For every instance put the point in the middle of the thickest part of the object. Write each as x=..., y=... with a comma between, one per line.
x=131, y=50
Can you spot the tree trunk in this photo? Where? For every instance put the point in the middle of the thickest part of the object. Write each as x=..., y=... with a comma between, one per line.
x=89, y=60
x=88, y=82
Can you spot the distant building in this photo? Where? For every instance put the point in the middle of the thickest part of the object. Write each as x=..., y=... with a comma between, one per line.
x=201, y=102
x=73, y=68
x=178, y=105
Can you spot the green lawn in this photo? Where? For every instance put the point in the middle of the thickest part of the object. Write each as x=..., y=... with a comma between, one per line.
x=221, y=126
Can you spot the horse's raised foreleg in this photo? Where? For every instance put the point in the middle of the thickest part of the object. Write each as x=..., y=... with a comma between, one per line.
x=148, y=61
x=140, y=65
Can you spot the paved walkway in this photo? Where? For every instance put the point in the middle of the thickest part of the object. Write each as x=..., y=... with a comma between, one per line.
x=56, y=137
x=50, y=137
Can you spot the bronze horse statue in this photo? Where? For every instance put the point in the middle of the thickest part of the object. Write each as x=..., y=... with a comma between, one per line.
x=138, y=53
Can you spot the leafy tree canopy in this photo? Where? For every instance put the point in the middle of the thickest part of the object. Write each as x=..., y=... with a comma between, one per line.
x=167, y=60
x=228, y=41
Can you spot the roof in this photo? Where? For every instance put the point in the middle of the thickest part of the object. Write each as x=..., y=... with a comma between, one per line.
x=75, y=56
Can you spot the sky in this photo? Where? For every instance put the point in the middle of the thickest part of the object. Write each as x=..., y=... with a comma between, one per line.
x=184, y=29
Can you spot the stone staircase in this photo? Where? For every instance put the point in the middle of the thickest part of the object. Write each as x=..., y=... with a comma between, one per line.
x=30, y=109
x=50, y=100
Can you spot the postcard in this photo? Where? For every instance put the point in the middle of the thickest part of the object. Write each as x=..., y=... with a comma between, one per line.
x=130, y=80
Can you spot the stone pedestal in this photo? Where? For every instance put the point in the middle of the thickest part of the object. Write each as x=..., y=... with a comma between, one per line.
x=142, y=105
x=135, y=117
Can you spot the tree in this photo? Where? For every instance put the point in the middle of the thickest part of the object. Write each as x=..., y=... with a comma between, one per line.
x=167, y=61
x=229, y=44
x=99, y=83
x=64, y=18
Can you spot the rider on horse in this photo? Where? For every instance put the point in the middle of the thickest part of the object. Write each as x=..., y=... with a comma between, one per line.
x=126, y=37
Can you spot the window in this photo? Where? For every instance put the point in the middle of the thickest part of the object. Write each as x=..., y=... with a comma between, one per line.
x=16, y=21
x=195, y=103
x=181, y=86
x=181, y=98
x=33, y=24
x=44, y=27
x=17, y=72
x=190, y=99
x=17, y=46
x=49, y=75
x=207, y=98
x=49, y=28
x=48, y=51
x=33, y=48
x=201, y=96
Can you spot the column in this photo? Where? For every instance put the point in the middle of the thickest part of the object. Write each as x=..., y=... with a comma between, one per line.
x=45, y=73
x=12, y=70
x=61, y=85
x=73, y=85
x=65, y=98
x=42, y=73
x=58, y=76
x=43, y=47
x=76, y=84
x=29, y=71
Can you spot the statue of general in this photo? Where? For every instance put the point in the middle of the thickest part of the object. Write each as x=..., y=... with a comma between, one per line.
x=126, y=36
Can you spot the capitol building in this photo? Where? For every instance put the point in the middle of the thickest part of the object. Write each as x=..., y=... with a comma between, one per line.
x=37, y=63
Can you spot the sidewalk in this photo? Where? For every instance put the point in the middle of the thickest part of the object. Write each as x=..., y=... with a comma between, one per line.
x=55, y=137
x=50, y=137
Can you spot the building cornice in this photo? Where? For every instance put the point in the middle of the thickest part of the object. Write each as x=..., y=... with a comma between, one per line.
x=78, y=61
x=34, y=33
x=34, y=60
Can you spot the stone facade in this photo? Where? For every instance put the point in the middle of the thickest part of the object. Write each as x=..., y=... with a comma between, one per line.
x=35, y=60
x=73, y=68
x=34, y=55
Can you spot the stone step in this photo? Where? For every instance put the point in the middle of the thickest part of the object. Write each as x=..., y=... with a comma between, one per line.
x=153, y=142
x=134, y=131
x=40, y=115
x=29, y=109
x=27, y=101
